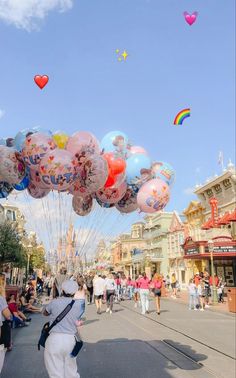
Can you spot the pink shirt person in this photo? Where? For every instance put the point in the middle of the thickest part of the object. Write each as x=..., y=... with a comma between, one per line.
x=144, y=283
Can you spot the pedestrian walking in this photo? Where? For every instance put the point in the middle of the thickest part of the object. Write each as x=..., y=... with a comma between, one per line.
x=144, y=293
x=206, y=280
x=5, y=329
x=118, y=287
x=61, y=341
x=167, y=282
x=80, y=294
x=201, y=295
x=192, y=294
x=130, y=288
x=89, y=284
x=98, y=289
x=137, y=292
x=59, y=279
x=49, y=284
x=123, y=287
x=220, y=290
x=110, y=286
x=157, y=284
x=173, y=285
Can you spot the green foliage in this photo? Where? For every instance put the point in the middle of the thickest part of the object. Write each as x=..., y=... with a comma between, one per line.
x=37, y=259
x=11, y=250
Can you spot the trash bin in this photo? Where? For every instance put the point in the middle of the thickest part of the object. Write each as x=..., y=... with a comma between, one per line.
x=231, y=295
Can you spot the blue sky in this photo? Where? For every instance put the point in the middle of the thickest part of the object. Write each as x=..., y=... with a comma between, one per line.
x=170, y=66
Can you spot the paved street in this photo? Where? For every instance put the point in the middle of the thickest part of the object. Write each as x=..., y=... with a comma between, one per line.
x=178, y=343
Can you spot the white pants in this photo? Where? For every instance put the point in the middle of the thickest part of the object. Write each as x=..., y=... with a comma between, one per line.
x=58, y=362
x=144, y=293
x=2, y=356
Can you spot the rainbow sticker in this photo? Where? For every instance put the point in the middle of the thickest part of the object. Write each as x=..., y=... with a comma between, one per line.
x=181, y=116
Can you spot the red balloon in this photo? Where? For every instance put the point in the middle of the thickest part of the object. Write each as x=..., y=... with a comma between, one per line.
x=110, y=180
x=116, y=165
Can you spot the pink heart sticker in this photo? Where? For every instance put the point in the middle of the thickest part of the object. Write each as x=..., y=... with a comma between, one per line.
x=190, y=18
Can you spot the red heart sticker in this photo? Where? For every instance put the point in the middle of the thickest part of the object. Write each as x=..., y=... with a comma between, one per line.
x=41, y=81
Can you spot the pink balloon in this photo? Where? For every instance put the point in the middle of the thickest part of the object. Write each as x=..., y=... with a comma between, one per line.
x=35, y=147
x=92, y=175
x=37, y=192
x=111, y=195
x=153, y=196
x=57, y=169
x=36, y=179
x=82, y=145
x=128, y=202
x=137, y=150
x=12, y=167
x=82, y=205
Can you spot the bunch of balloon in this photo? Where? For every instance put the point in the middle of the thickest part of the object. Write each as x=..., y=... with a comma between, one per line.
x=114, y=172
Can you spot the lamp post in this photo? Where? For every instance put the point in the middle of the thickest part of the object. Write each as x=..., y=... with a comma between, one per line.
x=29, y=253
x=214, y=291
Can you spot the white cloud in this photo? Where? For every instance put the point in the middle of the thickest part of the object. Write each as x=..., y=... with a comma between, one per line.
x=1, y=113
x=188, y=191
x=26, y=13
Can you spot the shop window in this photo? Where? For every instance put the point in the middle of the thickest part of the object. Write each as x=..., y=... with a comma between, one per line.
x=183, y=276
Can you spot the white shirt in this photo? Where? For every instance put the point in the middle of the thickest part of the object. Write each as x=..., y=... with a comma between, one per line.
x=110, y=284
x=99, y=286
x=81, y=294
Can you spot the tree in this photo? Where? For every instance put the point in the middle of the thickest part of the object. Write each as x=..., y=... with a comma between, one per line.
x=11, y=250
x=37, y=260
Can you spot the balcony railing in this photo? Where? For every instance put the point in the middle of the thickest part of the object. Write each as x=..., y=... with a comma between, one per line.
x=155, y=233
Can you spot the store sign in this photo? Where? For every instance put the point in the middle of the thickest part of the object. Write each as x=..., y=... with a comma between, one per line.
x=224, y=249
x=191, y=251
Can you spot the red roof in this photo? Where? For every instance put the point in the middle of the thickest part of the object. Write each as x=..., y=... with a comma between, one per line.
x=207, y=225
x=224, y=219
x=232, y=216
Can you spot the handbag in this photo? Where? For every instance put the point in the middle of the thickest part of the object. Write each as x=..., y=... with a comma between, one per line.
x=47, y=327
x=78, y=346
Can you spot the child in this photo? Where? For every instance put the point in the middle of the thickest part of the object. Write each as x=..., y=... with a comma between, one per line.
x=192, y=294
x=201, y=295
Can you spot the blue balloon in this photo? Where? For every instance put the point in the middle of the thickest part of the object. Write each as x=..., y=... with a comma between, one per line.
x=5, y=189
x=20, y=138
x=23, y=184
x=137, y=166
x=38, y=129
x=164, y=171
x=103, y=204
x=115, y=141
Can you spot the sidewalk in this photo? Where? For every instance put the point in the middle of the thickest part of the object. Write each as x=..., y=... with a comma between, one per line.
x=182, y=297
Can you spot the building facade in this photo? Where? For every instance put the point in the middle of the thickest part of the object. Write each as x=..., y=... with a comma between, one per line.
x=156, y=251
x=217, y=200
x=13, y=214
x=175, y=238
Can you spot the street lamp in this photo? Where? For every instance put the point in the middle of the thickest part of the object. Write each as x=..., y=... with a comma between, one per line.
x=214, y=290
x=29, y=253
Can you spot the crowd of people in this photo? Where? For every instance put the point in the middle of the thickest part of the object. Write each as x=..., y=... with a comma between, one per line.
x=62, y=290
x=200, y=290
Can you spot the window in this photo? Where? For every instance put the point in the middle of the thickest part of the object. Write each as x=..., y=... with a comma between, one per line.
x=9, y=215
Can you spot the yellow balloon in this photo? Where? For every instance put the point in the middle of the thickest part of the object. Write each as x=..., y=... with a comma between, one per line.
x=60, y=140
